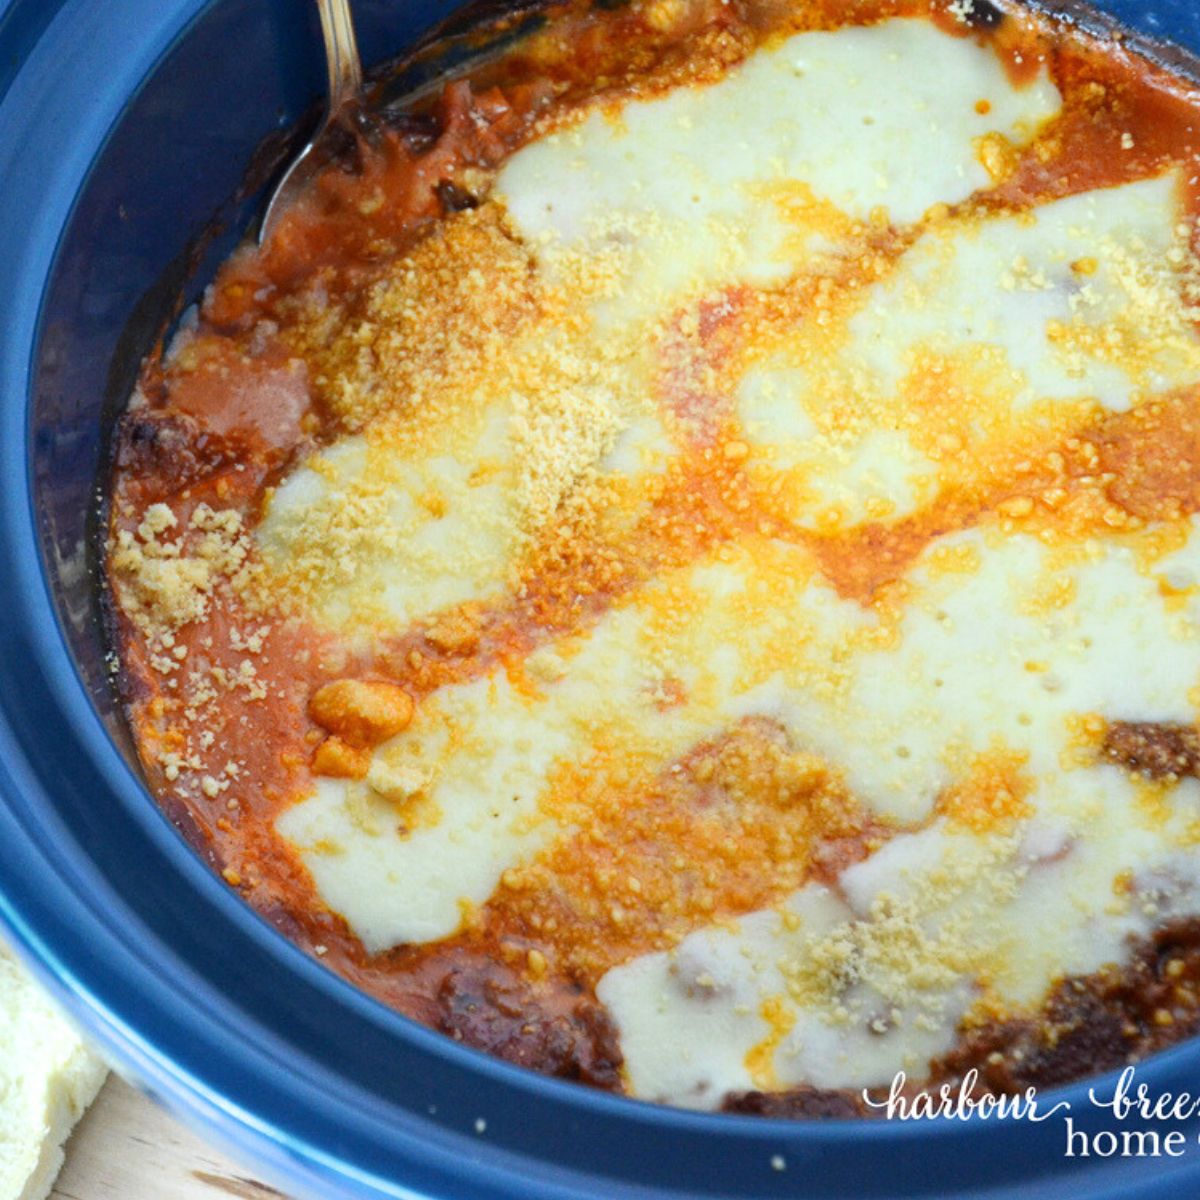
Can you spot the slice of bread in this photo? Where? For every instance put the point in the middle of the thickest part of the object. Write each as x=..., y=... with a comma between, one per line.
x=48, y=1076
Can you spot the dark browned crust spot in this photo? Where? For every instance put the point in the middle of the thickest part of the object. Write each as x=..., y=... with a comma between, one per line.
x=418, y=130
x=1089, y=1024
x=802, y=1104
x=167, y=451
x=454, y=198
x=1156, y=750
x=488, y=1007
x=1095, y=1022
x=982, y=14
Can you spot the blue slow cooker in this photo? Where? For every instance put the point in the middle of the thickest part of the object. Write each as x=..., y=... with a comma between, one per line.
x=126, y=131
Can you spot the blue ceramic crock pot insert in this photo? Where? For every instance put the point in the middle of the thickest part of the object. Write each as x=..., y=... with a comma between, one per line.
x=125, y=127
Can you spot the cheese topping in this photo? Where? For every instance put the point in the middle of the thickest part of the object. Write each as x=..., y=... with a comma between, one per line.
x=713, y=249
x=865, y=383
x=971, y=906
x=755, y=578
x=773, y=166
x=622, y=219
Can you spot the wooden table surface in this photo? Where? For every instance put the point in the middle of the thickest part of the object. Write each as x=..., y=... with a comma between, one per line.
x=126, y=1148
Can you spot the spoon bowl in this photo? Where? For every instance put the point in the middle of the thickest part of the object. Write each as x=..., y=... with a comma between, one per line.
x=345, y=82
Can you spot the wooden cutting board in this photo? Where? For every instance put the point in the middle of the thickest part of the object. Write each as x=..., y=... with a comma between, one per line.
x=126, y=1148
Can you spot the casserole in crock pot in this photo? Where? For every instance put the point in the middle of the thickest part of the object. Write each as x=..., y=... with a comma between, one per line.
x=676, y=563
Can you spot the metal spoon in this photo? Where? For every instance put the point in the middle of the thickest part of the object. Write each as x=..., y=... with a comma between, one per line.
x=345, y=83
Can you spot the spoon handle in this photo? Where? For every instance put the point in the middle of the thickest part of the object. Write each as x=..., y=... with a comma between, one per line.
x=341, y=52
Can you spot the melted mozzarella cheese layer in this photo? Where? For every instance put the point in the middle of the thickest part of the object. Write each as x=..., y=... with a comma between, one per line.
x=1059, y=638
x=760, y=635
x=409, y=530
x=943, y=914
x=985, y=327
x=482, y=757
x=630, y=216
x=1078, y=296
x=756, y=178
x=407, y=519
x=759, y=172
